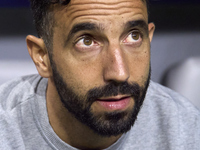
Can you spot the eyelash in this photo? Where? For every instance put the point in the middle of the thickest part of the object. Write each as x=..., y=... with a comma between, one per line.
x=84, y=37
x=134, y=42
x=80, y=45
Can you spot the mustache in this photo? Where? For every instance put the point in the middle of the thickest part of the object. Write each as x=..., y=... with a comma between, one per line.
x=113, y=89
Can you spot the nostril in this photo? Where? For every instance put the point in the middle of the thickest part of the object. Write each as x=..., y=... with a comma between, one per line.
x=118, y=84
x=116, y=71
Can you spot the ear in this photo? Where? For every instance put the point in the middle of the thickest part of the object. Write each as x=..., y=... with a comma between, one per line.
x=39, y=55
x=151, y=27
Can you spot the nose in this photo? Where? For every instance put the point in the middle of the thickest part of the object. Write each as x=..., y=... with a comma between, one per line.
x=115, y=65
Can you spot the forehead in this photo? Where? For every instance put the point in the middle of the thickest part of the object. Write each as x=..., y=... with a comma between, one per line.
x=100, y=11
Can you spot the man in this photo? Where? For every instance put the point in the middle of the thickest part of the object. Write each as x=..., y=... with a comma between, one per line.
x=93, y=58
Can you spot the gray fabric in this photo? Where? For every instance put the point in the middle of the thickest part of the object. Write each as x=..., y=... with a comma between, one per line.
x=166, y=121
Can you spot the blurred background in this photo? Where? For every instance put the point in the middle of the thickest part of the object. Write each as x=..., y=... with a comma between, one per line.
x=175, y=49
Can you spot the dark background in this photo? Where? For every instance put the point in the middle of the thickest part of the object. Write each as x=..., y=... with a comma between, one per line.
x=166, y=14
x=25, y=3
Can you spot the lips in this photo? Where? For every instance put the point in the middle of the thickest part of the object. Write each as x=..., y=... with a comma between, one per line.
x=115, y=103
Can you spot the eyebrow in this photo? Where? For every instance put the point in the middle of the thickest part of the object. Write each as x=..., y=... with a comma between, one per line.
x=81, y=27
x=138, y=23
x=92, y=26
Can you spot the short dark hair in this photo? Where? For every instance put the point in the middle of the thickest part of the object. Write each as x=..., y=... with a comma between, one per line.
x=43, y=14
x=41, y=10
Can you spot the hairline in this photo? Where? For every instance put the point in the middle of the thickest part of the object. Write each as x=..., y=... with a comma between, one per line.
x=49, y=21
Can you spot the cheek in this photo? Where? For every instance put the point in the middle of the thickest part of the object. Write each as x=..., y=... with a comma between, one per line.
x=79, y=75
x=140, y=66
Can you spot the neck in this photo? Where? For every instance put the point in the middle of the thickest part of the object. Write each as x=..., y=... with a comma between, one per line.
x=69, y=129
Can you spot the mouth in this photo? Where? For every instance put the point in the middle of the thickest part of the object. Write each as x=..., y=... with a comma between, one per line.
x=115, y=103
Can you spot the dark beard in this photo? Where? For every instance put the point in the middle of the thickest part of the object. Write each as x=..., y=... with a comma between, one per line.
x=107, y=123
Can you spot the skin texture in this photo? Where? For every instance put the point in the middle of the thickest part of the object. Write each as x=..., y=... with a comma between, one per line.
x=113, y=56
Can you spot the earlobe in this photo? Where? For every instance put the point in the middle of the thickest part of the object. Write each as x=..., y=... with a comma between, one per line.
x=39, y=55
x=151, y=27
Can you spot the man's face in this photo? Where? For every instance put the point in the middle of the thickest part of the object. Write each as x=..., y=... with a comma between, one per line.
x=101, y=62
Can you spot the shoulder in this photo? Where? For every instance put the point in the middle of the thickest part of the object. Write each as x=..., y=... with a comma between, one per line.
x=14, y=96
x=167, y=120
x=174, y=110
x=168, y=98
x=17, y=91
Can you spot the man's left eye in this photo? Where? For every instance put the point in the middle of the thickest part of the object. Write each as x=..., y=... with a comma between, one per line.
x=133, y=37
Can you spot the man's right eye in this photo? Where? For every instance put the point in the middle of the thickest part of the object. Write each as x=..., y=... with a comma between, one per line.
x=86, y=43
